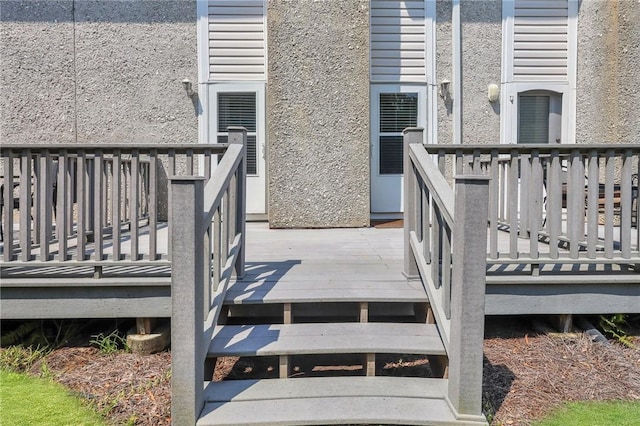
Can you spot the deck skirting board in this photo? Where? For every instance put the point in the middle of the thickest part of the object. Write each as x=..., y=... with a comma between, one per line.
x=550, y=298
x=85, y=302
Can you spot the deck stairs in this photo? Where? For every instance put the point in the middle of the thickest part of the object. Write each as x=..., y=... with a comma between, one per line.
x=319, y=333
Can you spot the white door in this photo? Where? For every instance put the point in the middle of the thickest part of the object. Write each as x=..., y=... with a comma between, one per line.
x=393, y=108
x=243, y=105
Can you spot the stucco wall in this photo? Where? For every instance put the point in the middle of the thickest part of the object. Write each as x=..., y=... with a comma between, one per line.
x=481, y=66
x=444, y=71
x=608, y=89
x=318, y=113
x=97, y=71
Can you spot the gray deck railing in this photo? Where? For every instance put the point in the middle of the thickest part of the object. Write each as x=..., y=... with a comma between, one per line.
x=445, y=242
x=207, y=237
x=66, y=205
x=573, y=203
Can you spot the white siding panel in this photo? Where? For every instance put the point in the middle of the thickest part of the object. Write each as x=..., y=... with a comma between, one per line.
x=540, y=40
x=237, y=44
x=398, y=41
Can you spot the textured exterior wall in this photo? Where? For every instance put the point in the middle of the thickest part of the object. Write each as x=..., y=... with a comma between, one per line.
x=318, y=113
x=37, y=82
x=444, y=71
x=481, y=66
x=97, y=71
x=608, y=89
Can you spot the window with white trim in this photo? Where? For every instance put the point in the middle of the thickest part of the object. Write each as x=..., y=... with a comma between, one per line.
x=238, y=109
x=397, y=112
x=539, y=65
x=539, y=117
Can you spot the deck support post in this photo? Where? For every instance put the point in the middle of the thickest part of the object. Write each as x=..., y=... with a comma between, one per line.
x=410, y=136
x=238, y=135
x=187, y=293
x=467, y=296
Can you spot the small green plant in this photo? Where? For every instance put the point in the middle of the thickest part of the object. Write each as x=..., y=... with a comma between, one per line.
x=19, y=358
x=614, y=327
x=110, y=343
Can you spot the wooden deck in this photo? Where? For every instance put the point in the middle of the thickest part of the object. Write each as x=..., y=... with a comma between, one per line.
x=306, y=265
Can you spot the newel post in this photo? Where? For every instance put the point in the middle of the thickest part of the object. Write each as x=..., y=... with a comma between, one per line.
x=238, y=135
x=187, y=293
x=411, y=135
x=467, y=295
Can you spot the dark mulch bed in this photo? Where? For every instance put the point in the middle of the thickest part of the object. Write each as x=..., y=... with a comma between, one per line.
x=526, y=374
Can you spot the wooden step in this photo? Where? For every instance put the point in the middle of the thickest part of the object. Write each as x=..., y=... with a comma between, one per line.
x=328, y=400
x=305, y=339
x=253, y=292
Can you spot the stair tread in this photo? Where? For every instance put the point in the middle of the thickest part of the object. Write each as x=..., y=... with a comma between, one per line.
x=328, y=400
x=251, y=291
x=325, y=338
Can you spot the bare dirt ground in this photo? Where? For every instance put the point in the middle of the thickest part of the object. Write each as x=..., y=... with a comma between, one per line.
x=526, y=374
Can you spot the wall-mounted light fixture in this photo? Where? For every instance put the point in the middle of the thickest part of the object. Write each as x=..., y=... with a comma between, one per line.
x=444, y=90
x=188, y=88
x=493, y=92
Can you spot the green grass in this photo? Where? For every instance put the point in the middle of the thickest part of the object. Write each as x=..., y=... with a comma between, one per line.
x=26, y=400
x=610, y=413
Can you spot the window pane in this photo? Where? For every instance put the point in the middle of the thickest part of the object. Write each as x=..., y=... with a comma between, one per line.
x=533, y=119
x=391, y=155
x=398, y=111
x=237, y=109
x=252, y=167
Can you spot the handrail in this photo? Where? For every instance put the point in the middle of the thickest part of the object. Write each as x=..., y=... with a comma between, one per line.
x=207, y=237
x=445, y=247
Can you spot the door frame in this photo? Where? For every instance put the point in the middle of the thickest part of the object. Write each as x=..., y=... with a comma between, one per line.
x=256, y=184
x=385, y=183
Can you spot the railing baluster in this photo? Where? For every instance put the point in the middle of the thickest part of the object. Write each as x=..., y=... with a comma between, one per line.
x=105, y=194
x=525, y=186
x=592, y=204
x=61, y=207
x=575, y=203
x=81, y=203
x=153, y=205
x=494, y=205
x=554, y=198
x=608, y=203
x=426, y=222
x=7, y=221
x=535, y=203
x=217, y=248
x=436, y=248
x=115, y=203
x=45, y=189
x=134, y=201
x=513, y=206
x=625, y=205
x=637, y=206
x=71, y=164
x=98, y=164
x=226, y=212
x=446, y=269
x=25, y=206
x=171, y=172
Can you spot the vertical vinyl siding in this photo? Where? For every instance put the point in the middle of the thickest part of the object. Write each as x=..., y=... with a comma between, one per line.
x=540, y=40
x=398, y=41
x=237, y=43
